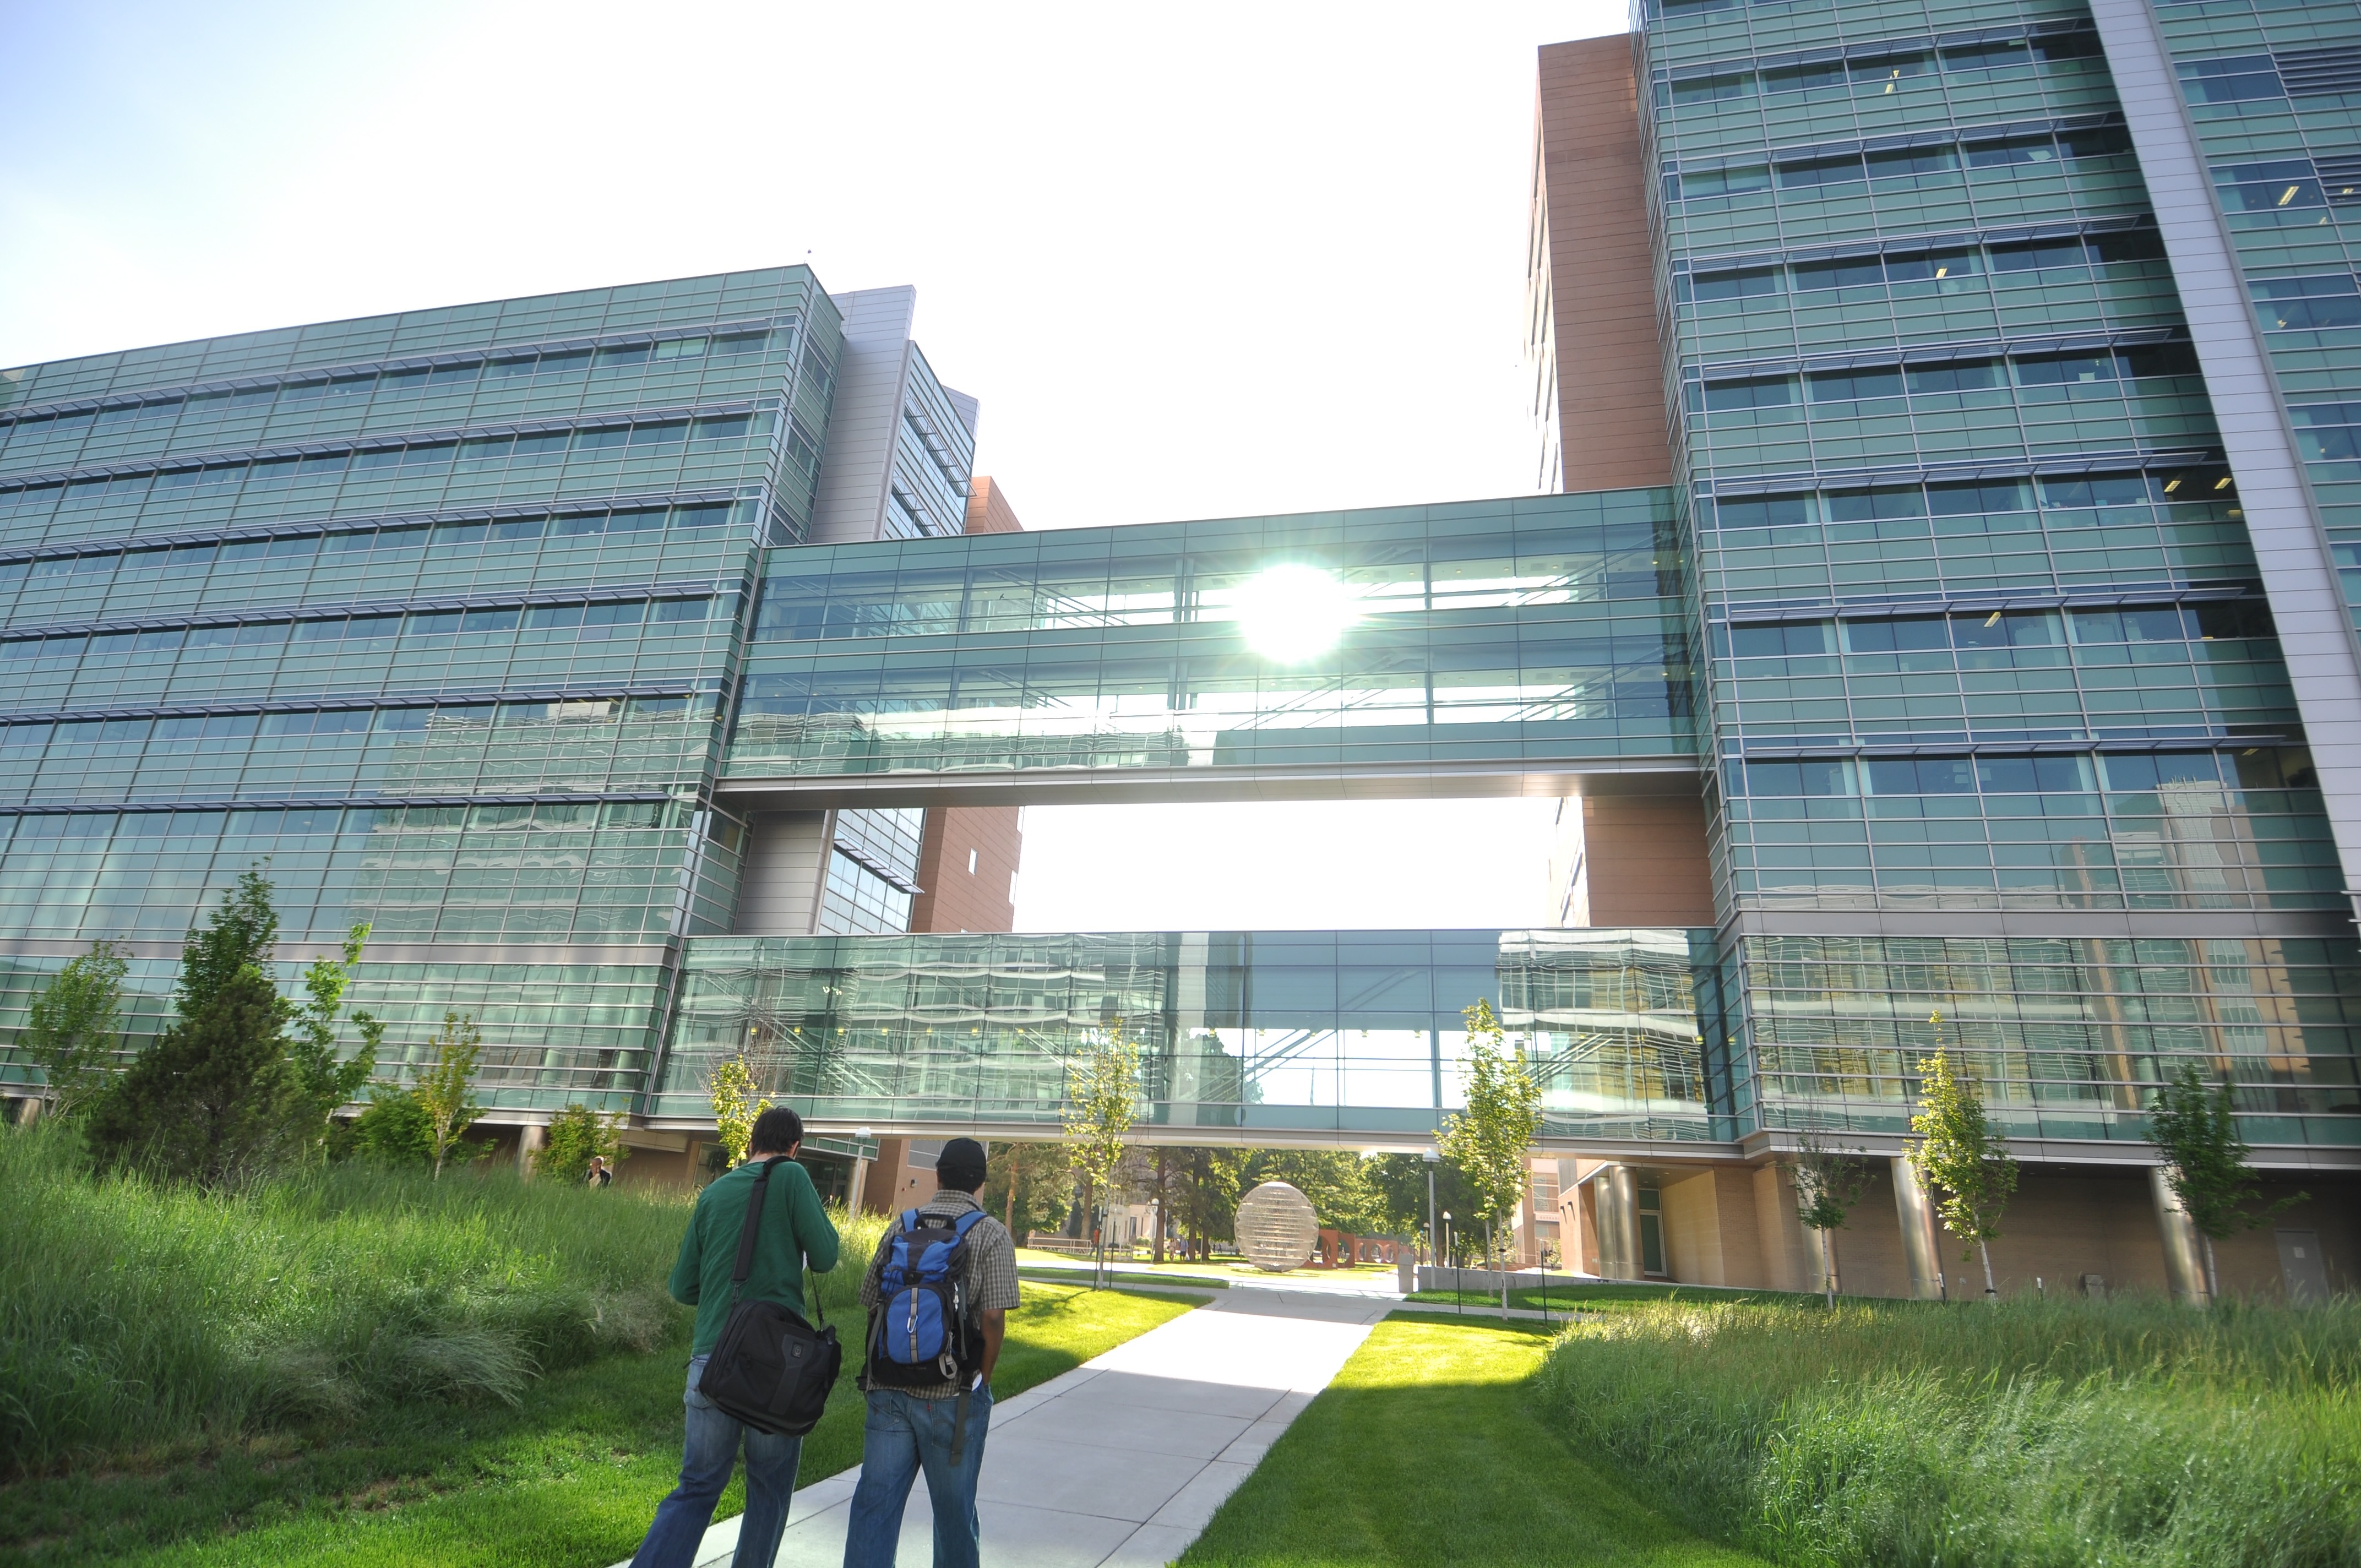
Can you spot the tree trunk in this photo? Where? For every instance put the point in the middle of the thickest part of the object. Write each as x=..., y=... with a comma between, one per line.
x=1829, y=1278
x=1992, y=1293
x=1015, y=1175
x=2212, y=1284
x=1162, y=1175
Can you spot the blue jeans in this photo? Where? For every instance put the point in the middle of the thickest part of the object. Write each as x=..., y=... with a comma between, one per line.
x=903, y=1436
x=705, y=1459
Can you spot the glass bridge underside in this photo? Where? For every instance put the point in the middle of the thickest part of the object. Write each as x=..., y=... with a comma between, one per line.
x=1243, y=1035
x=1481, y=640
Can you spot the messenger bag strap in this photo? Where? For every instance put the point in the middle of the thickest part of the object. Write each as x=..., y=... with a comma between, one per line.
x=753, y=1223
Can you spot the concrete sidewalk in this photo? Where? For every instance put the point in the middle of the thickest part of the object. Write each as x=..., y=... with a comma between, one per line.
x=1122, y=1461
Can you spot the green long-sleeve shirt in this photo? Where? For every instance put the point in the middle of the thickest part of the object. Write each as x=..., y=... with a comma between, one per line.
x=794, y=1230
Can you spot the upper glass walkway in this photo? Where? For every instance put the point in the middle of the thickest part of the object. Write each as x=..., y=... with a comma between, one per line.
x=1544, y=634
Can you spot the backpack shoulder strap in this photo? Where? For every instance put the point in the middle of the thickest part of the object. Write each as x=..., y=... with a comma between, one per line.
x=966, y=1222
x=746, y=1231
x=909, y=1219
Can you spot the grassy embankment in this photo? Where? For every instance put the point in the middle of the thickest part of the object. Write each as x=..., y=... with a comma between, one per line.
x=1429, y=1448
x=2126, y=1431
x=359, y=1365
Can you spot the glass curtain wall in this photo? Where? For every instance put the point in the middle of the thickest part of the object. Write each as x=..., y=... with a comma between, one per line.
x=430, y=614
x=1982, y=629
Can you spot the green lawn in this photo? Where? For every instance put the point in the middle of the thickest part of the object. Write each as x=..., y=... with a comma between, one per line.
x=1429, y=1448
x=568, y=1478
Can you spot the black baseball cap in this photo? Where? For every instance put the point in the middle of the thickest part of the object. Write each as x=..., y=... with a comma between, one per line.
x=960, y=1165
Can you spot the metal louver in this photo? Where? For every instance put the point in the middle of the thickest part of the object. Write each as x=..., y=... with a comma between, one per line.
x=2340, y=178
x=2310, y=72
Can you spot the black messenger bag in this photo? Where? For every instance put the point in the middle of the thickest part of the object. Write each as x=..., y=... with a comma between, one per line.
x=769, y=1369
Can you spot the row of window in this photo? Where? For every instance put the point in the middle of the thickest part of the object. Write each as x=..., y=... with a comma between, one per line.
x=1878, y=66
x=2323, y=301
x=399, y=460
x=587, y=622
x=17, y=739
x=1896, y=266
x=362, y=546
x=2289, y=184
x=1963, y=498
x=354, y=388
x=1811, y=171
x=2294, y=74
x=2205, y=623
x=2328, y=429
x=1855, y=384
x=2077, y=772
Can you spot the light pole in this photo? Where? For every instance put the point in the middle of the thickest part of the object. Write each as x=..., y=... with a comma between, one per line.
x=1455, y=1295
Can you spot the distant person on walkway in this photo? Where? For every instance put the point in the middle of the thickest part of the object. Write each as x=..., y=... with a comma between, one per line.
x=931, y=1417
x=793, y=1232
x=599, y=1175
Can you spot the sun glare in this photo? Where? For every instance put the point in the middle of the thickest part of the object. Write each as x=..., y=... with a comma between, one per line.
x=1292, y=612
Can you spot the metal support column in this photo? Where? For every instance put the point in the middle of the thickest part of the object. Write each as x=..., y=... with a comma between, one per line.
x=2184, y=1254
x=1920, y=1248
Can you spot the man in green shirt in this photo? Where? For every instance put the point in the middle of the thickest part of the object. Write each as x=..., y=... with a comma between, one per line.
x=794, y=1231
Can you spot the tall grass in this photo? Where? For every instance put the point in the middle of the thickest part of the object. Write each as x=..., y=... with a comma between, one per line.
x=2127, y=1432
x=137, y=1318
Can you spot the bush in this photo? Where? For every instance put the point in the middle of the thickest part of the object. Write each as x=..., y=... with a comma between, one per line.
x=394, y=1130
x=576, y=1134
x=2127, y=1431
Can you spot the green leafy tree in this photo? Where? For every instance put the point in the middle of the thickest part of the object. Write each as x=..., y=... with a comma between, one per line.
x=1829, y=1183
x=1491, y=1140
x=1962, y=1156
x=1398, y=1183
x=1021, y=1189
x=1333, y=1179
x=447, y=1089
x=75, y=1028
x=577, y=1136
x=1205, y=1196
x=2195, y=1130
x=735, y=1107
x=1101, y=1103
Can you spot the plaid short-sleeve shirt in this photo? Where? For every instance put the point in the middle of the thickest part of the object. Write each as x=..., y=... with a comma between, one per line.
x=991, y=1268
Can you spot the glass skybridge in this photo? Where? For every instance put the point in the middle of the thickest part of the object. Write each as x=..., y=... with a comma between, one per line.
x=1244, y=1036
x=1487, y=639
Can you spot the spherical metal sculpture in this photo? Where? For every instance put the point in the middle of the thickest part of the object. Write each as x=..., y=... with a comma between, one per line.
x=1277, y=1227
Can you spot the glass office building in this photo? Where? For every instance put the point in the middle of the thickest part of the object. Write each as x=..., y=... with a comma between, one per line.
x=1947, y=629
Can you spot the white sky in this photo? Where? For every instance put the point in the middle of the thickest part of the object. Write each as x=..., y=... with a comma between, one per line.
x=1260, y=259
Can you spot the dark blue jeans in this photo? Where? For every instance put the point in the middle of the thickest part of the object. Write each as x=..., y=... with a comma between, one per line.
x=903, y=1436
x=707, y=1456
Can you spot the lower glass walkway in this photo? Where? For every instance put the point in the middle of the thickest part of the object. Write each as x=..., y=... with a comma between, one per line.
x=1270, y=1034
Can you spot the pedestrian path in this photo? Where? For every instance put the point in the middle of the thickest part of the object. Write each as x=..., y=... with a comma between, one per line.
x=1122, y=1461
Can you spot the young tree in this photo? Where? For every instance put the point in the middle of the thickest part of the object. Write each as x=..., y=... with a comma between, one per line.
x=1829, y=1183
x=327, y=1082
x=1101, y=1103
x=734, y=1105
x=576, y=1134
x=75, y=1027
x=2196, y=1132
x=1962, y=1156
x=1491, y=1140
x=447, y=1089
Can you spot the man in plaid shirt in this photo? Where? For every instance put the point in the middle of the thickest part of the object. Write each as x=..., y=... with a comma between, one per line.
x=938, y=1426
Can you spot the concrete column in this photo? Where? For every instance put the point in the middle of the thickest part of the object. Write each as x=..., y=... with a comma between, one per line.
x=28, y=1110
x=1616, y=1191
x=2184, y=1250
x=852, y=1191
x=532, y=1138
x=1920, y=1248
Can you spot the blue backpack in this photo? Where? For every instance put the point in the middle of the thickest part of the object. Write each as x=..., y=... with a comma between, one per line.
x=922, y=1332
